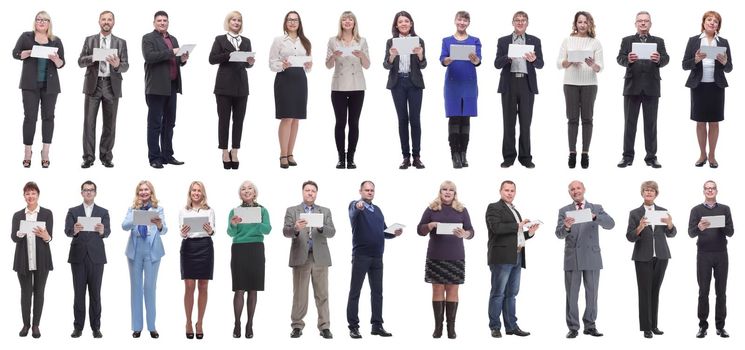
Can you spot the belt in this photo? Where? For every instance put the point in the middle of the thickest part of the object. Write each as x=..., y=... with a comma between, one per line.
x=519, y=75
x=403, y=75
x=104, y=78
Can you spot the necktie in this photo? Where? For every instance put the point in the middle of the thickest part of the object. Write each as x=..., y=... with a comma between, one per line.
x=643, y=38
x=234, y=41
x=310, y=240
x=103, y=65
x=579, y=206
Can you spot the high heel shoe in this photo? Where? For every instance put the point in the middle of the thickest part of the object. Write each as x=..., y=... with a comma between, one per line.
x=701, y=163
x=237, y=330
x=291, y=162
x=229, y=164
x=234, y=163
x=200, y=332
x=27, y=162
x=285, y=164
x=189, y=335
x=45, y=163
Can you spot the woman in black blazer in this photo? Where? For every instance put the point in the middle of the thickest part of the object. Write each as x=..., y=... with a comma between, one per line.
x=231, y=86
x=406, y=84
x=39, y=84
x=707, y=83
x=32, y=273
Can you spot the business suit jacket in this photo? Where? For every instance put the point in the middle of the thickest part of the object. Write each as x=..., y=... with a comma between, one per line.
x=153, y=235
x=642, y=76
x=348, y=75
x=43, y=253
x=502, y=228
x=643, y=242
x=87, y=242
x=91, y=67
x=697, y=69
x=28, y=73
x=505, y=63
x=416, y=66
x=299, y=247
x=582, y=243
x=231, y=79
x=158, y=64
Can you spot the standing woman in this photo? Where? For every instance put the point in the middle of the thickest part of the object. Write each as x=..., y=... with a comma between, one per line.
x=32, y=278
x=406, y=84
x=231, y=86
x=247, y=257
x=580, y=83
x=461, y=88
x=197, y=254
x=290, y=84
x=707, y=83
x=445, y=268
x=39, y=84
x=144, y=250
x=650, y=256
x=347, y=51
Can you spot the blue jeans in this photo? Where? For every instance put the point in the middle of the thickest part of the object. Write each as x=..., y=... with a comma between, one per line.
x=373, y=267
x=505, y=284
x=407, y=99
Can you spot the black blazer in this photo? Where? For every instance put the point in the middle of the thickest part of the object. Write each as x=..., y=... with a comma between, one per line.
x=642, y=76
x=43, y=253
x=416, y=66
x=502, y=227
x=28, y=73
x=231, y=79
x=643, y=242
x=87, y=242
x=158, y=64
x=697, y=70
x=91, y=67
x=505, y=63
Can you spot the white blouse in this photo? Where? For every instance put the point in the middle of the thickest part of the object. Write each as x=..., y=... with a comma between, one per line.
x=283, y=47
x=197, y=232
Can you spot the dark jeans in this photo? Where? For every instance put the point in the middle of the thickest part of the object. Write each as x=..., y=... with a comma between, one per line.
x=649, y=276
x=31, y=100
x=631, y=105
x=87, y=275
x=517, y=104
x=226, y=105
x=161, y=119
x=347, y=107
x=705, y=263
x=372, y=267
x=104, y=96
x=408, y=101
x=505, y=284
x=580, y=102
x=32, y=283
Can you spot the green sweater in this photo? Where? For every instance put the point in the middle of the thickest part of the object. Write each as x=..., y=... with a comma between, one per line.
x=250, y=233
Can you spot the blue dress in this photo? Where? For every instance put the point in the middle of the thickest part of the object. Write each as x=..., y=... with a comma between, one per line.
x=461, y=87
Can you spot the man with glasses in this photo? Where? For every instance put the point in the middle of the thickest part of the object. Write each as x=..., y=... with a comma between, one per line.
x=711, y=222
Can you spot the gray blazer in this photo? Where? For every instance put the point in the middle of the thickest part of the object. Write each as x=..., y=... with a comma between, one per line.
x=643, y=243
x=91, y=67
x=582, y=243
x=299, y=247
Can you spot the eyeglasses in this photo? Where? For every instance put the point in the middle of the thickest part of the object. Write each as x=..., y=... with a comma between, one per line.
x=710, y=188
x=43, y=20
x=293, y=20
x=522, y=20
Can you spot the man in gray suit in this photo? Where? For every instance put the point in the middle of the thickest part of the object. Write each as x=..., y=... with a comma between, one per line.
x=309, y=259
x=102, y=87
x=582, y=258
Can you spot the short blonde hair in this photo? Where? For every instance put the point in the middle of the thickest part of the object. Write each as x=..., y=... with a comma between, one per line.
x=231, y=15
x=45, y=15
x=189, y=202
x=650, y=185
x=137, y=203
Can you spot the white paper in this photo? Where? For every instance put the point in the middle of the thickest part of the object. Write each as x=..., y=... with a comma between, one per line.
x=461, y=52
x=406, y=45
x=89, y=223
x=298, y=61
x=444, y=228
x=196, y=224
x=393, y=227
x=100, y=54
x=143, y=217
x=248, y=215
x=313, y=219
x=654, y=217
x=241, y=56
x=347, y=50
x=532, y=223
x=39, y=51
x=643, y=51
x=712, y=51
x=715, y=221
x=519, y=51
x=188, y=48
x=575, y=56
x=580, y=216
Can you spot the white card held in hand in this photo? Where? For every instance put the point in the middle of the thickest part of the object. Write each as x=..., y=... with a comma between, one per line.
x=27, y=227
x=299, y=61
x=532, y=223
x=196, y=225
x=406, y=45
x=712, y=51
x=313, y=219
x=143, y=217
x=100, y=54
x=393, y=227
x=579, y=56
x=580, y=216
x=241, y=56
x=248, y=215
x=40, y=51
x=519, y=51
x=89, y=223
x=643, y=51
x=461, y=52
x=654, y=217
x=444, y=228
x=188, y=48
x=715, y=221
x=347, y=50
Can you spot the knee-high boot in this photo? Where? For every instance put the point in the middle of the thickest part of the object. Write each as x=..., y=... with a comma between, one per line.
x=451, y=308
x=464, y=137
x=439, y=308
x=454, y=141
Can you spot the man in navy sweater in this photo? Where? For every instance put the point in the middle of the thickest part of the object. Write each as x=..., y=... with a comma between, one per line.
x=368, y=243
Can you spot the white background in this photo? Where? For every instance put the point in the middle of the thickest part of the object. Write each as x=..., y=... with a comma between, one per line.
x=403, y=195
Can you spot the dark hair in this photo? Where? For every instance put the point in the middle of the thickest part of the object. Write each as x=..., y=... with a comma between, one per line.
x=463, y=14
x=394, y=29
x=112, y=14
x=310, y=182
x=365, y=182
x=506, y=182
x=89, y=182
x=31, y=186
x=300, y=34
x=160, y=13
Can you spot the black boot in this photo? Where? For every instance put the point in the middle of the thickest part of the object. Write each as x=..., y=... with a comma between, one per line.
x=464, y=138
x=350, y=160
x=585, y=161
x=572, y=160
x=457, y=163
x=463, y=160
x=439, y=308
x=340, y=164
x=451, y=308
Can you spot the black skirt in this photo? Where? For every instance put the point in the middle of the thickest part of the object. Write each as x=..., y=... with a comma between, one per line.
x=445, y=271
x=291, y=93
x=247, y=266
x=707, y=103
x=197, y=258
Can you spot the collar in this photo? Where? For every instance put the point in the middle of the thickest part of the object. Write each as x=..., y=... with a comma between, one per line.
x=648, y=207
x=703, y=35
x=515, y=36
x=101, y=36
x=711, y=206
x=35, y=211
x=287, y=37
x=309, y=208
x=369, y=206
x=85, y=206
x=584, y=204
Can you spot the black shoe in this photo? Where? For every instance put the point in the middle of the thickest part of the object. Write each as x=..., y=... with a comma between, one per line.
x=199, y=335
x=572, y=163
x=507, y=164
x=291, y=162
x=380, y=331
x=657, y=331
x=86, y=164
x=653, y=163
x=700, y=163
x=463, y=160
x=45, y=164
x=154, y=334
x=572, y=334
x=107, y=163
x=722, y=333
x=156, y=164
x=625, y=162
x=174, y=161
x=417, y=163
x=585, y=161
x=405, y=164
x=593, y=332
x=35, y=332
x=76, y=333
x=189, y=335
x=326, y=334
x=528, y=164
x=227, y=165
x=701, y=332
x=136, y=334
x=648, y=334
x=24, y=331
x=249, y=331
x=97, y=334
x=713, y=165
x=518, y=332
x=342, y=163
x=237, y=330
x=495, y=333
x=285, y=164
x=354, y=333
x=350, y=161
x=457, y=162
x=296, y=333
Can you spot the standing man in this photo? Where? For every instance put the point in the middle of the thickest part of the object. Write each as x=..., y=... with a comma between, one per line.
x=102, y=87
x=87, y=257
x=309, y=259
x=582, y=260
x=711, y=255
x=518, y=86
x=368, y=243
x=641, y=88
x=162, y=83
x=506, y=256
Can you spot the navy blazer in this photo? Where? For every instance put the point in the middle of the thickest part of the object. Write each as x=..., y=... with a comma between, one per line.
x=697, y=69
x=28, y=73
x=416, y=66
x=505, y=63
x=582, y=241
x=643, y=242
x=88, y=243
x=91, y=67
x=642, y=76
x=43, y=253
x=502, y=227
x=231, y=79
x=158, y=64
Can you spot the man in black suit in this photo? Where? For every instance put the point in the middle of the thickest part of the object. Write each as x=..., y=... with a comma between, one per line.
x=518, y=86
x=506, y=258
x=87, y=257
x=102, y=87
x=162, y=83
x=641, y=88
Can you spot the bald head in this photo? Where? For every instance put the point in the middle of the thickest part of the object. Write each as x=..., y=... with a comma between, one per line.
x=577, y=191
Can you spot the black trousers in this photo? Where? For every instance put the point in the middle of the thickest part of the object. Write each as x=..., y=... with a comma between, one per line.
x=31, y=100
x=225, y=106
x=517, y=104
x=103, y=97
x=705, y=263
x=649, y=276
x=87, y=275
x=32, y=284
x=347, y=108
x=631, y=105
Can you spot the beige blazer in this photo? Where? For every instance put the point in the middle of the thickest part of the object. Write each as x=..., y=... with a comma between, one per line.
x=348, y=74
